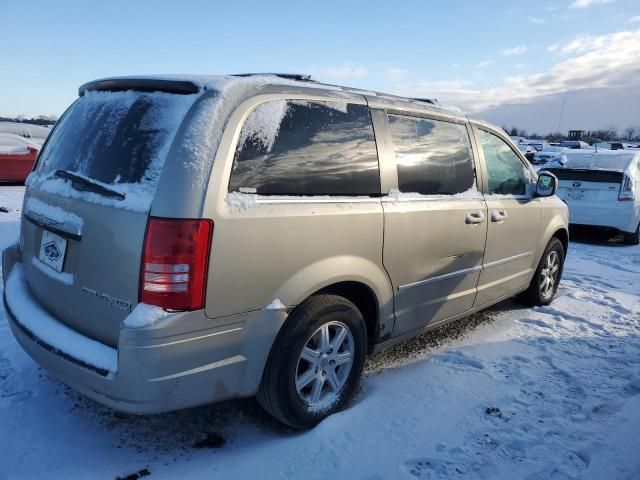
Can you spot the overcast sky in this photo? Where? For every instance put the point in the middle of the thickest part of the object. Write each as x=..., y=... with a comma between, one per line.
x=511, y=62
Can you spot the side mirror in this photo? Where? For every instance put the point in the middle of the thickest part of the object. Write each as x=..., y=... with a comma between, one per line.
x=547, y=184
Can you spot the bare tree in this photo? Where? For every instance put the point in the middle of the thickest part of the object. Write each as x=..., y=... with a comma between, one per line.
x=631, y=132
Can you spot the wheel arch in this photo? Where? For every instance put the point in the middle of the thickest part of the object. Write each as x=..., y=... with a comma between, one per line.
x=357, y=279
x=562, y=234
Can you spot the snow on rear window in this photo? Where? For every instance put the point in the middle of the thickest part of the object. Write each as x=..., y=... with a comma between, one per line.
x=119, y=139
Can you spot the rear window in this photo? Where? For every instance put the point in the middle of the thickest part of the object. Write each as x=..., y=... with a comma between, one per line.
x=432, y=157
x=307, y=148
x=115, y=137
x=599, y=176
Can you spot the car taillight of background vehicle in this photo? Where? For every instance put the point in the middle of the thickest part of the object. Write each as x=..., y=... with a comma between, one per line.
x=173, y=274
x=626, y=189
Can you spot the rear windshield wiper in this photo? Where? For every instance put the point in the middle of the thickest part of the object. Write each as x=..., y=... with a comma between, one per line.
x=84, y=184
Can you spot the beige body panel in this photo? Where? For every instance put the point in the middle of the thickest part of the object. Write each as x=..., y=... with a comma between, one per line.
x=511, y=248
x=289, y=248
x=434, y=258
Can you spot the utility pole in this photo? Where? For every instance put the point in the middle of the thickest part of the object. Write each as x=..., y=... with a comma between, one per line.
x=561, y=112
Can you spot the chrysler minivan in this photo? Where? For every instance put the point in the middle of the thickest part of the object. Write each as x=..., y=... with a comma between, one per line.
x=186, y=240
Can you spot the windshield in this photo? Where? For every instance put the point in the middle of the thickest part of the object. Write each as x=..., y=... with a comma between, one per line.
x=113, y=137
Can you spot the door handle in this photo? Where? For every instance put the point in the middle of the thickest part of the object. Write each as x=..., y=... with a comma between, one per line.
x=499, y=215
x=474, y=217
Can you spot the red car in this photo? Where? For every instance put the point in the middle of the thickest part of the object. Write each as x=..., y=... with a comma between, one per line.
x=16, y=162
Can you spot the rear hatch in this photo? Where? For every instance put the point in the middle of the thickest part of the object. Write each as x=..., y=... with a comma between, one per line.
x=87, y=204
x=588, y=188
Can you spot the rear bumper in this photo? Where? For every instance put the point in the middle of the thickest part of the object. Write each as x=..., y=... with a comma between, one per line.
x=182, y=361
x=623, y=216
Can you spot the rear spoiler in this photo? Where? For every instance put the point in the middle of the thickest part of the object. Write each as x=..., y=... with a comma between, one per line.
x=181, y=87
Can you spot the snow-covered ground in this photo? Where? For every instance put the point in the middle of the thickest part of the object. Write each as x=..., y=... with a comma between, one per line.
x=548, y=393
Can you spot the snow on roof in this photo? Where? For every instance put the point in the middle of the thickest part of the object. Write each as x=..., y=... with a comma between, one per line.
x=618, y=160
x=224, y=82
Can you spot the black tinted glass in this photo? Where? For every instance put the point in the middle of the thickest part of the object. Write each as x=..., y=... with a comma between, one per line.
x=307, y=148
x=433, y=157
x=599, y=176
x=112, y=136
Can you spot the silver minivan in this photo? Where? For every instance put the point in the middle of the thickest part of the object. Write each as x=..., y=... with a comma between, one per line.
x=186, y=240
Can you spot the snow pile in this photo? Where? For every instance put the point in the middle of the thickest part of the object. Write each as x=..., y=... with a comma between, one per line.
x=241, y=201
x=37, y=320
x=38, y=208
x=144, y=316
x=275, y=305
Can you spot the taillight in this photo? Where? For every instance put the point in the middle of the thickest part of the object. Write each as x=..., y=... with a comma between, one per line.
x=626, y=189
x=173, y=274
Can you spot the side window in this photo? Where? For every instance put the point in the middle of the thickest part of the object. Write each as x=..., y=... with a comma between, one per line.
x=307, y=148
x=506, y=173
x=433, y=157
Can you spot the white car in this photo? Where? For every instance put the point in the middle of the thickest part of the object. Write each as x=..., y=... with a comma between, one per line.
x=575, y=144
x=547, y=154
x=602, y=189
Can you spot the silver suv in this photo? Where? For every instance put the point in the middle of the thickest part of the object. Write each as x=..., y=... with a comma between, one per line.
x=186, y=240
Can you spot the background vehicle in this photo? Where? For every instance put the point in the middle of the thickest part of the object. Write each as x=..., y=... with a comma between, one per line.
x=16, y=162
x=610, y=145
x=527, y=150
x=547, y=154
x=538, y=144
x=574, y=144
x=265, y=232
x=601, y=189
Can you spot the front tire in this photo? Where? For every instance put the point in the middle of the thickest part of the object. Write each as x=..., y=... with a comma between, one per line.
x=316, y=362
x=544, y=283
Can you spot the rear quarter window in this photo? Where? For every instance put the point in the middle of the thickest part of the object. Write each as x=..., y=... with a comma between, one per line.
x=307, y=148
x=433, y=157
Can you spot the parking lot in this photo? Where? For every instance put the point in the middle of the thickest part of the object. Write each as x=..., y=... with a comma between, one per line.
x=551, y=392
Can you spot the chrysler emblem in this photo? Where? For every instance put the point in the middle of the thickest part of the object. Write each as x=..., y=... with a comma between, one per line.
x=577, y=184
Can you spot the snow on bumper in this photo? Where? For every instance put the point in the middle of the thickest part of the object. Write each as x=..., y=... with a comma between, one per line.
x=182, y=361
x=43, y=328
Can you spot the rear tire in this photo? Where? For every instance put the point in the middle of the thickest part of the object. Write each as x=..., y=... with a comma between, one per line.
x=315, y=365
x=632, y=238
x=545, y=281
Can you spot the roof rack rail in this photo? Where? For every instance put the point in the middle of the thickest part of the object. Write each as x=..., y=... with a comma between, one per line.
x=290, y=76
x=432, y=101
